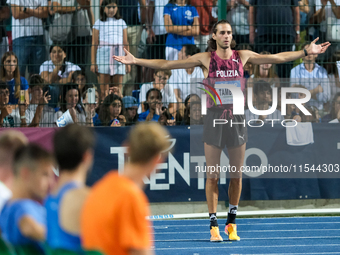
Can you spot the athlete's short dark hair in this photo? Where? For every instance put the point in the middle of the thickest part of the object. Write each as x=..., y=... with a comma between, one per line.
x=70, y=145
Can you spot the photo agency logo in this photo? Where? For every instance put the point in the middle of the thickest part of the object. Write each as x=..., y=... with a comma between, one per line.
x=230, y=93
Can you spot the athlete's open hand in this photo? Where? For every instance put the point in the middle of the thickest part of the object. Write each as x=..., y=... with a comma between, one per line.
x=128, y=59
x=314, y=49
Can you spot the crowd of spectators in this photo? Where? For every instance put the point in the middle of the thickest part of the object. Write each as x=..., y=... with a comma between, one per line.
x=81, y=81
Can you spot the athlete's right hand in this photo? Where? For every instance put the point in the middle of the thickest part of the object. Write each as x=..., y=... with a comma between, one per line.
x=128, y=59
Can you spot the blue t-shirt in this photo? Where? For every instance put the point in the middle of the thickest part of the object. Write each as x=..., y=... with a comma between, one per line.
x=180, y=16
x=11, y=83
x=142, y=116
x=12, y=213
x=57, y=238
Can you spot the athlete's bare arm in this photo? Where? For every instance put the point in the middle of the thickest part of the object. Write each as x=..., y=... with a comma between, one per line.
x=257, y=59
x=200, y=59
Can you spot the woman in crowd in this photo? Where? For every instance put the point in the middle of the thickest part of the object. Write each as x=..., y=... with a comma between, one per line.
x=71, y=102
x=79, y=77
x=184, y=112
x=108, y=38
x=10, y=74
x=58, y=70
x=111, y=112
x=181, y=21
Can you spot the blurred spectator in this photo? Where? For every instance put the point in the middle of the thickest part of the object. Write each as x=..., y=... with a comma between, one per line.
x=6, y=120
x=109, y=38
x=71, y=101
x=304, y=10
x=153, y=106
x=79, y=77
x=156, y=30
x=79, y=44
x=22, y=220
x=206, y=20
x=274, y=27
x=131, y=106
x=28, y=33
x=111, y=112
x=38, y=113
x=184, y=112
x=238, y=16
x=129, y=12
x=180, y=79
x=314, y=117
x=166, y=119
x=4, y=15
x=73, y=149
x=10, y=142
x=116, y=207
x=192, y=115
x=334, y=115
x=114, y=89
x=182, y=24
x=333, y=70
x=327, y=15
x=10, y=73
x=57, y=70
x=161, y=78
x=91, y=108
x=314, y=78
x=156, y=34
x=263, y=97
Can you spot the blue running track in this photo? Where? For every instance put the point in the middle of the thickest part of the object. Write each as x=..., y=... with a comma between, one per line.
x=293, y=235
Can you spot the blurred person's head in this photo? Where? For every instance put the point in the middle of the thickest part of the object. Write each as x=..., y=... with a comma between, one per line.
x=222, y=36
x=153, y=97
x=110, y=109
x=109, y=9
x=187, y=51
x=70, y=96
x=195, y=112
x=262, y=92
x=33, y=168
x=79, y=77
x=131, y=106
x=161, y=78
x=4, y=93
x=73, y=148
x=58, y=54
x=36, y=86
x=10, y=69
x=191, y=98
x=265, y=70
x=310, y=59
x=335, y=108
x=10, y=142
x=146, y=142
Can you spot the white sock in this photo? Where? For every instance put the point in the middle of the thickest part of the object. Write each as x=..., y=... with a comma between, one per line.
x=233, y=209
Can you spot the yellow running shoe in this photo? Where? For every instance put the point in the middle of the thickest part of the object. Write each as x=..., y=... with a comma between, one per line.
x=215, y=235
x=231, y=231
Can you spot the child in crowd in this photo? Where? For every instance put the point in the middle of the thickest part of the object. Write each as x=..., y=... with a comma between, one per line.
x=108, y=39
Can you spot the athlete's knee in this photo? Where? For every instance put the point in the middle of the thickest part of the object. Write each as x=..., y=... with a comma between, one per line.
x=212, y=181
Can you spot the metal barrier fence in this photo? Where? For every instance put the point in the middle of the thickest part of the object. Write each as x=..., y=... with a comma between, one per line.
x=72, y=41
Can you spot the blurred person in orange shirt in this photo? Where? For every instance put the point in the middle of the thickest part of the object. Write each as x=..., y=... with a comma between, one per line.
x=113, y=219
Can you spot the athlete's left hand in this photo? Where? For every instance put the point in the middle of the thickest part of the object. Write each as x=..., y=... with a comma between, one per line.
x=314, y=49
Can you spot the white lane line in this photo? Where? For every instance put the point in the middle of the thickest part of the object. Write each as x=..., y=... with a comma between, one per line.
x=252, y=224
x=256, y=238
x=245, y=247
x=245, y=231
x=328, y=253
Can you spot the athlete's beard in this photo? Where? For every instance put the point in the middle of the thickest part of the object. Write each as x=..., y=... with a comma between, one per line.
x=223, y=47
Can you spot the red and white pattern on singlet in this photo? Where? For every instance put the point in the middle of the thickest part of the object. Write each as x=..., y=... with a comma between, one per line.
x=224, y=70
